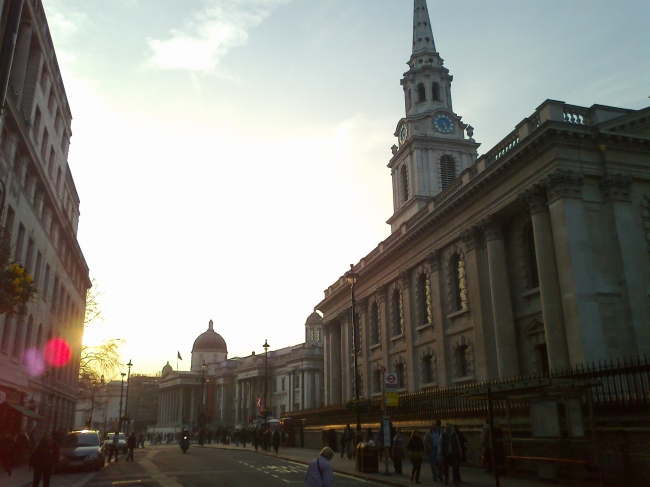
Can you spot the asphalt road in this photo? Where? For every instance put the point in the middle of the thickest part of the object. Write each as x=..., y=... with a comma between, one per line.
x=167, y=466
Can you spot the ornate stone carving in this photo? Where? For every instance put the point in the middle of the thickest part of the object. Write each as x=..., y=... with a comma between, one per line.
x=405, y=279
x=469, y=237
x=428, y=367
x=563, y=184
x=463, y=358
x=493, y=227
x=615, y=186
x=381, y=293
x=433, y=259
x=535, y=197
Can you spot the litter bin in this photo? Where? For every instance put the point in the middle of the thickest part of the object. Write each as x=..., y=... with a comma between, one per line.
x=328, y=438
x=367, y=457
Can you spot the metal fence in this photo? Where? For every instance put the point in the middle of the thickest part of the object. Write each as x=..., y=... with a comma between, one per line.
x=621, y=394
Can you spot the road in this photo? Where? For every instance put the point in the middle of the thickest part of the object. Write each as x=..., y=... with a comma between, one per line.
x=167, y=466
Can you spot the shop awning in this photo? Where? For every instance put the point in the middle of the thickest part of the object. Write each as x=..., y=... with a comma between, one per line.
x=26, y=411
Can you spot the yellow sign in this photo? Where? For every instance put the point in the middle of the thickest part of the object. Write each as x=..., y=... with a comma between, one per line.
x=392, y=399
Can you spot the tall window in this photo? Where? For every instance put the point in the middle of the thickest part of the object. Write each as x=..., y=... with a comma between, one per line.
x=18, y=337
x=46, y=282
x=39, y=336
x=427, y=369
x=531, y=258
x=376, y=381
x=20, y=243
x=9, y=221
x=29, y=259
x=461, y=361
x=447, y=171
x=422, y=94
x=400, y=372
x=404, y=182
x=459, y=286
x=37, y=123
x=542, y=359
x=28, y=336
x=424, y=295
x=374, y=323
x=6, y=332
x=397, y=312
x=435, y=91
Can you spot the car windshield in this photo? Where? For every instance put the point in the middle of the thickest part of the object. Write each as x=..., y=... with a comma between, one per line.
x=74, y=440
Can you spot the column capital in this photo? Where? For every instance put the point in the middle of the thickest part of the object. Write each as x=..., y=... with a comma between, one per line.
x=381, y=292
x=493, y=227
x=404, y=278
x=563, y=184
x=469, y=236
x=616, y=186
x=536, y=199
x=433, y=260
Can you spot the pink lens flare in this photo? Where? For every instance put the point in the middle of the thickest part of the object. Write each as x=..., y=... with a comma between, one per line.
x=57, y=352
x=35, y=362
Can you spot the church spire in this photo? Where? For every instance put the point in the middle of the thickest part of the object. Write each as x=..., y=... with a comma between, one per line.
x=422, y=33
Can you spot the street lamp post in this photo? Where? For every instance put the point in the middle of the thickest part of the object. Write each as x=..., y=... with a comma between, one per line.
x=119, y=427
x=126, y=403
x=202, y=425
x=352, y=277
x=92, y=403
x=266, y=375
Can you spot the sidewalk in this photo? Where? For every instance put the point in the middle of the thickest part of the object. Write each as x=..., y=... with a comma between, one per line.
x=20, y=477
x=470, y=476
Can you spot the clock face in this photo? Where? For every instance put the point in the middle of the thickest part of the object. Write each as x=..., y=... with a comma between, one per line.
x=443, y=124
x=403, y=134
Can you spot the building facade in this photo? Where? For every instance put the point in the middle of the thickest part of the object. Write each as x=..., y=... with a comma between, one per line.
x=228, y=391
x=532, y=257
x=39, y=222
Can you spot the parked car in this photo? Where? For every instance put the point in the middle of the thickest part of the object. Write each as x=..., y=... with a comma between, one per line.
x=121, y=442
x=82, y=449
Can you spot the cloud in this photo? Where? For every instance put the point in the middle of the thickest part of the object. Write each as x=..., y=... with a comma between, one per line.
x=209, y=34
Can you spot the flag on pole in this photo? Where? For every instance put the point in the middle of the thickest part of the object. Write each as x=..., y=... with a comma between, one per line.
x=179, y=356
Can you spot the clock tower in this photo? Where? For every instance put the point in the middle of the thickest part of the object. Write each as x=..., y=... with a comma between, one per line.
x=433, y=149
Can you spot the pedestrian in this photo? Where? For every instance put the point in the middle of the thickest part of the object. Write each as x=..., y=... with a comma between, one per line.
x=398, y=451
x=113, y=447
x=415, y=448
x=43, y=459
x=432, y=447
x=6, y=450
x=141, y=440
x=464, y=446
x=276, y=437
x=486, y=451
x=348, y=435
x=320, y=472
x=343, y=443
x=130, y=444
x=450, y=450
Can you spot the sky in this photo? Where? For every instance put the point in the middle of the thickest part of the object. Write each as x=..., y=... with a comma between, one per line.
x=230, y=155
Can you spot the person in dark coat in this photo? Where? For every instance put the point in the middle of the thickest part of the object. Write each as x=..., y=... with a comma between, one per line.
x=398, y=451
x=43, y=459
x=6, y=451
x=276, y=437
x=415, y=446
x=450, y=451
x=131, y=442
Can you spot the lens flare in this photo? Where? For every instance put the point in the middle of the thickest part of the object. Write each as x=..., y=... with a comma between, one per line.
x=35, y=362
x=57, y=352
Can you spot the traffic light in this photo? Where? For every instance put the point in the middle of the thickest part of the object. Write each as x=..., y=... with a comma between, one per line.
x=250, y=419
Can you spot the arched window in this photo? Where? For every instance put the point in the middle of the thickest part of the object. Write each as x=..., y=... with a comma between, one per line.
x=424, y=300
x=404, y=182
x=374, y=323
x=459, y=286
x=422, y=94
x=435, y=91
x=397, y=312
x=531, y=258
x=447, y=171
x=427, y=369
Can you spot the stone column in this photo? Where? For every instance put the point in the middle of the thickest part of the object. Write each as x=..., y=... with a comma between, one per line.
x=502, y=314
x=327, y=362
x=346, y=355
x=335, y=368
x=364, y=365
x=549, y=284
x=634, y=259
x=181, y=405
x=384, y=319
x=433, y=262
x=409, y=332
x=309, y=389
x=475, y=303
x=318, y=401
x=576, y=269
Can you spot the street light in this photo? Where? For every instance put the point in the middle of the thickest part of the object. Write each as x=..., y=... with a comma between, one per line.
x=202, y=427
x=119, y=427
x=92, y=403
x=352, y=278
x=126, y=404
x=266, y=375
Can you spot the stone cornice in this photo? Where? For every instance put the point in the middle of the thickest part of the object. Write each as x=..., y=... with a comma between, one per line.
x=615, y=186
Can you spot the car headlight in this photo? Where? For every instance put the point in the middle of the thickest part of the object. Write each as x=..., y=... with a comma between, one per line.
x=92, y=455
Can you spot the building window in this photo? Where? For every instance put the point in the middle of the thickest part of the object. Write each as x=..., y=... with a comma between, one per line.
x=39, y=336
x=424, y=297
x=422, y=94
x=397, y=312
x=29, y=260
x=37, y=124
x=400, y=372
x=461, y=361
x=318, y=334
x=296, y=382
x=428, y=375
x=311, y=334
x=28, y=336
x=531, y=258
x=374, y=323
x=459, y=285
x=9, y=221
x=20, y=243
x=376, y=381
x=435, y=91
x=447, y=171
x=46, y=283
x=37, y=269
x=18, y=337
x=6, y=332
x=282, y=384
x=45, y=144
x=404, y=182
x=274, y=385
x=542, y=359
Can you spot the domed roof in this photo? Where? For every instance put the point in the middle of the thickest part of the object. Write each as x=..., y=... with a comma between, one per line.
x=210, y=341
x=167, y=369
x=314, y=319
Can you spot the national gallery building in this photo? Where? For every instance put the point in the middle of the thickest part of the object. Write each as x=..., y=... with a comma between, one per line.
x=529, y=258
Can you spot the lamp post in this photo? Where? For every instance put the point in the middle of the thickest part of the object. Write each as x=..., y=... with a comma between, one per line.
x=352, y=277
x=126, y=403
x=92, y=402
x=119, y=424
x=266, y=374
x=202, y=424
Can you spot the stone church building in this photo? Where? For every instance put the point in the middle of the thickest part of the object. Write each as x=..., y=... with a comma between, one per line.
x=534, y=256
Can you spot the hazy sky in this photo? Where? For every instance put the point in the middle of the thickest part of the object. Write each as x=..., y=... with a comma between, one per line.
x=230, y=155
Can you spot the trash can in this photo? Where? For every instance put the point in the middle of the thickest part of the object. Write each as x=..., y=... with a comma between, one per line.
x=367, y=457
x=328, y=438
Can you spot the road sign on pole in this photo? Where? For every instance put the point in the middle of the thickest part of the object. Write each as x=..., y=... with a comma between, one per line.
x=390, y=381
